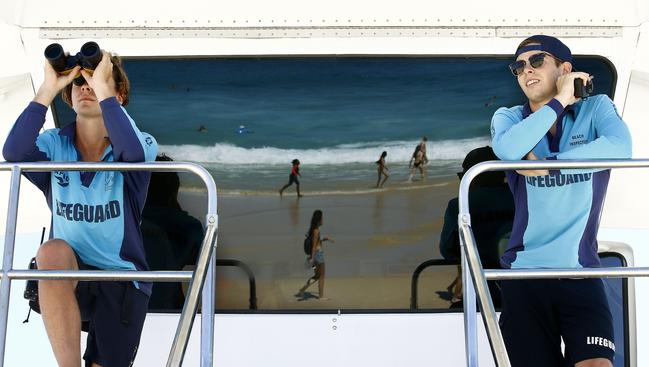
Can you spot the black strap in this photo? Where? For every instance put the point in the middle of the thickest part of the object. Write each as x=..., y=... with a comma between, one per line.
x=31, y=286
x=28, y=313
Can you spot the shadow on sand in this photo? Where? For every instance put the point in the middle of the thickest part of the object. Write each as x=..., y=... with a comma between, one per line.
x=305, y=296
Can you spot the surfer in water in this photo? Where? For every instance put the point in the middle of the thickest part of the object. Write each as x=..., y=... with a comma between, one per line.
x=243, y=130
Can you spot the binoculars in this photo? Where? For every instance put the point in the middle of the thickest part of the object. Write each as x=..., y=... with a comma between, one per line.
x=581, y=90
x=88, y=58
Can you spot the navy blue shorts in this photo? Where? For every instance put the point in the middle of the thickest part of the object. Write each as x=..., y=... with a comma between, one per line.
x=538, y=313
x=293, y=179
x=115, y=313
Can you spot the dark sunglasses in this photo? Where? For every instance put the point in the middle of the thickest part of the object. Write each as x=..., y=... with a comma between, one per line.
x=536, y=61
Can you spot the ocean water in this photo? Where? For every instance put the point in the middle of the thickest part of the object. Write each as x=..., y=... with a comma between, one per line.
x=336, y=115
x=345, y=167
x=246, y=119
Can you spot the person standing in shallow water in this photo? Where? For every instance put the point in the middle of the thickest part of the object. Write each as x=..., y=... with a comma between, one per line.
x=293, y=178
x=417, y=162
x=382, y=170
x=317, y=255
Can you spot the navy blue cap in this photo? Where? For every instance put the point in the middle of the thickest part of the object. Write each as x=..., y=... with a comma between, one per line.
x=548, y=44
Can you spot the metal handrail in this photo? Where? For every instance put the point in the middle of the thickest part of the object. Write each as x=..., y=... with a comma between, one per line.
x=203, y=274
x=475, y=279
x=414, y=281
x=252, y=285
x=567, y=273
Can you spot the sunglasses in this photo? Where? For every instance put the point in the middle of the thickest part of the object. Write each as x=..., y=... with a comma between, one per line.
x=536, y=61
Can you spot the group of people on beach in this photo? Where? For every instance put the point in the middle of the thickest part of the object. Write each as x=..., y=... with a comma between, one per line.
x=417, y=162
x=313, y=241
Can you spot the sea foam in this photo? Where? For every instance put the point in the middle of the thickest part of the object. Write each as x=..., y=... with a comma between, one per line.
x=363, y=152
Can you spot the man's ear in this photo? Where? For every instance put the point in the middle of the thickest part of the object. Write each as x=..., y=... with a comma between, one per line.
x=566, y=68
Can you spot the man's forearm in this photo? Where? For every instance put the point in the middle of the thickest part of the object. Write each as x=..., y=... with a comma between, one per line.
x=122, y=133
x=513, y=140
x=20, y=145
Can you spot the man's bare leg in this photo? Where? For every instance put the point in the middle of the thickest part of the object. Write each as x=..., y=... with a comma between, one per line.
x=58, y=302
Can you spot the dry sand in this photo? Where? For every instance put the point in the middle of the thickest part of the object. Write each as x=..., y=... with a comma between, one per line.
x=381, y=236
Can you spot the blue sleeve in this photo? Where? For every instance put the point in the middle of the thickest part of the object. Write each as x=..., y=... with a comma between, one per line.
x=24, y=144
x=512, y=138
x=21, y=144
x=129, y=143
x=613, y=138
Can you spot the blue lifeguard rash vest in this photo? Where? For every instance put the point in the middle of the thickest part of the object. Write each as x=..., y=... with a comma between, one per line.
x=557, y=215
x=97, y=213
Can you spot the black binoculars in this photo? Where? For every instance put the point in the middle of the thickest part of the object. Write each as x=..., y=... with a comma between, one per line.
x=88, y=58
x=581, y=90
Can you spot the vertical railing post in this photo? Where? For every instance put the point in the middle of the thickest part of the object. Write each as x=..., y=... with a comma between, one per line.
x=181, y=338
x=470, y=315
x=207, y=314
x=8, y=259
x=475, y=278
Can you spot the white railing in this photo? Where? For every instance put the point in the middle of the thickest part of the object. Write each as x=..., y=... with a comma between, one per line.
x=203, y=274
x=475, y=279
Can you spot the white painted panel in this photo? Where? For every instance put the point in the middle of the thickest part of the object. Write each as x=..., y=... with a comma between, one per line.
x=626, y=198
x=321, y=340
x=291, y=13
x=15, y=94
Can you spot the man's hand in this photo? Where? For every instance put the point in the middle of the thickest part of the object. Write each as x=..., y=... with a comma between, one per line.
x=540, y=172
x=53, y=83
x=99, y=81
x=566, y=87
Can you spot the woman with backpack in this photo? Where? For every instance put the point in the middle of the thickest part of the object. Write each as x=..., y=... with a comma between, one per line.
x=316, y=255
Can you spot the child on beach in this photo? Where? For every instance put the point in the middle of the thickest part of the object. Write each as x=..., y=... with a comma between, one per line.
x=295, y=172
x=317, y=255
x=382, y=170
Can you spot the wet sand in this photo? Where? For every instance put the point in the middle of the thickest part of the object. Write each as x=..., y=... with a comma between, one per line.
x=381, y=236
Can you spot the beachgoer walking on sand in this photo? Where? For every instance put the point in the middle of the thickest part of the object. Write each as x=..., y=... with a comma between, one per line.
x=295, y=172
x=382, y=170
x=422, y=147
x=316, y=258
x=417, y=162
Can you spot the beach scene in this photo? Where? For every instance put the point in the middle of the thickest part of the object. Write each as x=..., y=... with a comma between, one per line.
x=249, y=118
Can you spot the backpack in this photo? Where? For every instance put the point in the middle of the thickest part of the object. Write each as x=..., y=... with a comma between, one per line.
x=308, y=245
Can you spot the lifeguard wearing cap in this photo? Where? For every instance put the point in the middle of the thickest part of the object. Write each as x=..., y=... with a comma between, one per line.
x=545, y=43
